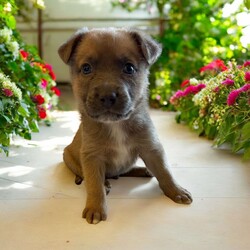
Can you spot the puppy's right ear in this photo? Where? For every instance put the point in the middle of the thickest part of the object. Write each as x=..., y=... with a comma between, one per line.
x=66, y=50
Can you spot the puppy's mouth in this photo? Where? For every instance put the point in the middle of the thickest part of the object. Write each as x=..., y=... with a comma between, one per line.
x=109, y=116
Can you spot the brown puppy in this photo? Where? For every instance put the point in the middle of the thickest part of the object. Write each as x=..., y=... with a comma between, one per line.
x=109, y=69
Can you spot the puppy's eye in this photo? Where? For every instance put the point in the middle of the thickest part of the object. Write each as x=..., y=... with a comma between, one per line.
x=86, y=68
x=129, y=68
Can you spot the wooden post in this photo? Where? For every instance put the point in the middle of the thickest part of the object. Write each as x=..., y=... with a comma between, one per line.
x=161, y=26
x=40, y=33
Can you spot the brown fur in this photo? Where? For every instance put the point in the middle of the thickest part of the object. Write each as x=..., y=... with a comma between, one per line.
x=115, y=125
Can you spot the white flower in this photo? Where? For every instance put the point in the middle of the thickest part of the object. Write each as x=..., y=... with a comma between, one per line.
x=5, y=35
x=7, y=7
x=193, y=81
x=39, y=4
x=14, y=48
x=7, y=84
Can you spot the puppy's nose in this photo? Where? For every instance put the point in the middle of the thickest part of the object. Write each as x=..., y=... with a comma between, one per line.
x=108, y=100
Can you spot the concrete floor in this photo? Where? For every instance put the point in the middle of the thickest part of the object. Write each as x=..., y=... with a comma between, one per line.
x=40, y=206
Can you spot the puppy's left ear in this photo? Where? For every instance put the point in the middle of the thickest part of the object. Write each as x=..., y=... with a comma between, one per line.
x=66, y=50
x=150, y=49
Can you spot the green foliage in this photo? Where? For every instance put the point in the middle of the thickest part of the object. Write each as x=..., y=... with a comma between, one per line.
x=247, y=3
x=220, y=110
x=27, y=86
x=195, y=33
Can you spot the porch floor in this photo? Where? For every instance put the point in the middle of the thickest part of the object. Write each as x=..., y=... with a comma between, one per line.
x=40, y=205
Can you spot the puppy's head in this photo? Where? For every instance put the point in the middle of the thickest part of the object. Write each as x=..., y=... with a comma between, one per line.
x=109, y=70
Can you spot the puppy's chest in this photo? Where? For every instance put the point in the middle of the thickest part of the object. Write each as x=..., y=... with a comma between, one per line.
x=121, y=146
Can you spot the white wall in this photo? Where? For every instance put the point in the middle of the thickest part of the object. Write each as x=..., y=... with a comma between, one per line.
x=55, y=33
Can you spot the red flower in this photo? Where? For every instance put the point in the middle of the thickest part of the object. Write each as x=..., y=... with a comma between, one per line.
x=24, y=54
x=51, y=72
x=42, y=112
x=56, y=91
x=7, y=92
x=217, y=65
x=247, y=76
x=38, y=99
x=185, y=83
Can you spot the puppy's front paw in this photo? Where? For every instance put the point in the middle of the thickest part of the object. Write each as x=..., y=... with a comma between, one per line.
x=183, y=196
x=94, y=215
x=179, y=195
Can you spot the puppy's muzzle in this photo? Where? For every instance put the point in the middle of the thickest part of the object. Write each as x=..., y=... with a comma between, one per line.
x=108, y=100
x=109, y=103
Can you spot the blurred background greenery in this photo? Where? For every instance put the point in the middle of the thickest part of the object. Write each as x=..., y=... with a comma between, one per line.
x=194, y=33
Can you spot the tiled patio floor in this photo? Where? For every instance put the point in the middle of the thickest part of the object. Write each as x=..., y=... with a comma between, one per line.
x=40, y=206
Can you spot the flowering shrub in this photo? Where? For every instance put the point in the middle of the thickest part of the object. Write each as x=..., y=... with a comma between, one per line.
x=27, y=85
x=194, y=32
x=219, y=105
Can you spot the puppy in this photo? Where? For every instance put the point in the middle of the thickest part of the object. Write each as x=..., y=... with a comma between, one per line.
x=109, y=70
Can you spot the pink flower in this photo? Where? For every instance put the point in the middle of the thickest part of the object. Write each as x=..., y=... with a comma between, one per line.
x=228, y=82
x=189, y=90
x=235, y=93
x=176, y=96
x=231, y=99
x=216, y=89
x=247, y=76
x=44, y=83
x=158, y=97
x=194, y=89
x=245, y=88
x=247, y=63
x=200, y=86
x=7, y=92
x=179, y=94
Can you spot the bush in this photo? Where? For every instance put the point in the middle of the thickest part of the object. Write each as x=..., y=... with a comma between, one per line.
x=27, y=85
x=218, y=106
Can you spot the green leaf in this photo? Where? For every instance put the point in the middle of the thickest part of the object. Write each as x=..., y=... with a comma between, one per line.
x=246, y=131
x=23, y=109
x=5, y=149
x=1, y=106
x=3, y=121
x=247, y=3
x=27, y=136
x=11, y=22
x=34, y=126
x=246, y=155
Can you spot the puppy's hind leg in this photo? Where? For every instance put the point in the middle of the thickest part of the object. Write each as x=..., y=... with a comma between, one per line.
x=73, y=165
x=107, y=186
x=79, y=180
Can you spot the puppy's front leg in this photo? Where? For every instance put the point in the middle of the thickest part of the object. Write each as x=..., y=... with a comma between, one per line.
x=155, y=161
x=94, y=177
